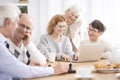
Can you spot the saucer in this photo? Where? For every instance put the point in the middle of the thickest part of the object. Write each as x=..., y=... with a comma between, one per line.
x=88, y=76
x=118, y=75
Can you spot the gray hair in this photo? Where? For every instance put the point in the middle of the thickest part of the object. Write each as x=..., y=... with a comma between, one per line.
x=10, y=11
x=75, y=9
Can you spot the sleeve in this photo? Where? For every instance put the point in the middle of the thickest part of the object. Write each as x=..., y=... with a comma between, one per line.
x=13, y=67
x=107, y=50
x=68, y=46
x=76, y=28
x=44, y=46
x=76, y=34
x=58, y=56
x=35, y=54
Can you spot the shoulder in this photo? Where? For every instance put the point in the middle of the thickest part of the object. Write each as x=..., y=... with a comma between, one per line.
x=44, y=36
x=103, y=41
x=11, y=44
x=9, y=41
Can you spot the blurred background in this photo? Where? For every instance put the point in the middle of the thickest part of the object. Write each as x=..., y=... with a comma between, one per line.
x=107, y=11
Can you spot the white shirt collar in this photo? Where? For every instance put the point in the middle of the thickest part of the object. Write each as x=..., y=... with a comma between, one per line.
x=2, y=38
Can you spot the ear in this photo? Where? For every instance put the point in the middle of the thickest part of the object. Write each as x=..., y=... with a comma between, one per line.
x=7, y=22
x=100, y=33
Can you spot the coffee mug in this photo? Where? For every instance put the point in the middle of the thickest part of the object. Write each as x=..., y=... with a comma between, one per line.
x=84, y=71
x=51, y=56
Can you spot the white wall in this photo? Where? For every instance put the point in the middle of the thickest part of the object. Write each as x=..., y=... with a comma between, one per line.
x=108, y=11
x=34, y=11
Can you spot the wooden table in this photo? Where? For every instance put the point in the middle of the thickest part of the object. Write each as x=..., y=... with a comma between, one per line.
x=98, y=76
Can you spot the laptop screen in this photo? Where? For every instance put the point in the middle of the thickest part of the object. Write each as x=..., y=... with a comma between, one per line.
x=90, y=52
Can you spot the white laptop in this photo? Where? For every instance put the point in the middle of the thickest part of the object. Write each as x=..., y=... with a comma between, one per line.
x=90, y=52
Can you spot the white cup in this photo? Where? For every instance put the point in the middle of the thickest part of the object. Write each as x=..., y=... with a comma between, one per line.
x=84, y=71
x=51, y=56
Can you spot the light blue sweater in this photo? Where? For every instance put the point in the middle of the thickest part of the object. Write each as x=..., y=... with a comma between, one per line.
x=48, y=45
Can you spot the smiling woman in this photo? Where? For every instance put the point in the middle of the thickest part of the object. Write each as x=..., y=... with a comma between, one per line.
x=110, y=19
x=95, y=30
x=54, y=41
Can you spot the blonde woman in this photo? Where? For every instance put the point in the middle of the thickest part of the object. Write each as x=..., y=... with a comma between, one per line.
x=55, y=41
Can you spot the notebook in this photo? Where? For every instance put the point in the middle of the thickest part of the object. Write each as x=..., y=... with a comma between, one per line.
x=90, y=52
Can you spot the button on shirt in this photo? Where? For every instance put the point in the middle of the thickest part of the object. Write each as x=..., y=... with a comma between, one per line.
x=11, y=67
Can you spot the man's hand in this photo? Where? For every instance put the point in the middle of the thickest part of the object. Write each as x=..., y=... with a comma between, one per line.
x=34, y=64
x=27, y=38
x=61, y=68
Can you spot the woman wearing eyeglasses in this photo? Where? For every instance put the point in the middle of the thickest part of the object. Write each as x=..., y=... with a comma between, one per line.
x=95, y=30
x=21, y=45
x=55, y=41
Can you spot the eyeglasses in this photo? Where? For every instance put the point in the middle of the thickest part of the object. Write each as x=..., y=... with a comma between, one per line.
x=24, y=26
x=61, y=26
x=93, y=30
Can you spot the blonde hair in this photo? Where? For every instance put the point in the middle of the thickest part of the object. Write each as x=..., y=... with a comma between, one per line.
x=54, y=20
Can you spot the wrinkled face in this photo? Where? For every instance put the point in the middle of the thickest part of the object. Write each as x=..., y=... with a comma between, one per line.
x=60, y=28
x=93, y=33
x=71, y=17
x=25, y=25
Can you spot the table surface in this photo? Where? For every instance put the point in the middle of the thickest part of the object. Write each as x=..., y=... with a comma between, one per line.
x=71, y=76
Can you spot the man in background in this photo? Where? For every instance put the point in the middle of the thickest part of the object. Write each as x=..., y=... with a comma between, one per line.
x=21, y=46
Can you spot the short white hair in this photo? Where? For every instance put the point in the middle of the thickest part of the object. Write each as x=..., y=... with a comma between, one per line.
x=75, y=9
x=10, y=11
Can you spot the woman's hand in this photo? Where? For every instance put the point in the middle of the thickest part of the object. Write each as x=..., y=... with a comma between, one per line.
x=27, y=38
x=75, y=56
x=66, y=57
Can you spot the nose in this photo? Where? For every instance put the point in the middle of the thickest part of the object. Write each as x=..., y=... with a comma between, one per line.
x=73, y=18
x=90, y=32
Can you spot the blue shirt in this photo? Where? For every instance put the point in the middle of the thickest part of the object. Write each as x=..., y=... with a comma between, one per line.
x=11, y=67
